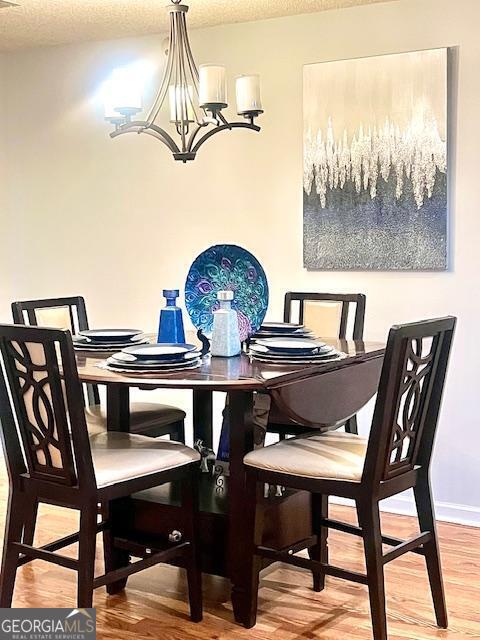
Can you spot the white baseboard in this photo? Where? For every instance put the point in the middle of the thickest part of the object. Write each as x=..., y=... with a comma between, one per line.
x=444, y=511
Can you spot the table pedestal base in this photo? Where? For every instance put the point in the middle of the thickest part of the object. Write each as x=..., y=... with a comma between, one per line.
x=151, y=516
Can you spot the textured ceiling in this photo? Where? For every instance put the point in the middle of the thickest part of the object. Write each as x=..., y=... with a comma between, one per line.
x=47, y=22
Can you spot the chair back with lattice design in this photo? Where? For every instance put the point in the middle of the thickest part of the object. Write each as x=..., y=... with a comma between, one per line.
x=409, y=398
x=328, y=314
x=41, y=408
x=61, y=313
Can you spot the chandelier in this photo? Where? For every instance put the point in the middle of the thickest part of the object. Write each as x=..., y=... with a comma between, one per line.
x=195, y=98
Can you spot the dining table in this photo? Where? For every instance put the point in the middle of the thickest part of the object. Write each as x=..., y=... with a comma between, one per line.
x=315, y=395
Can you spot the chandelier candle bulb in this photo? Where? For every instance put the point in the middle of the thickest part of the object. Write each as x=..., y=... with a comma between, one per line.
x=181, y=104
x=122, y=95
x=248, y=95
x=117, y=110
x=212, y=86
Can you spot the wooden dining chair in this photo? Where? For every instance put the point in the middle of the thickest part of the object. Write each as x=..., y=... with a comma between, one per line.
x=328, y=315
x=146, y=418
x=51, y=459
x=395, y=457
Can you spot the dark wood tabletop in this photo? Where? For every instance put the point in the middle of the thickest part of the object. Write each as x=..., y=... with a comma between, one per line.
x=224, y=374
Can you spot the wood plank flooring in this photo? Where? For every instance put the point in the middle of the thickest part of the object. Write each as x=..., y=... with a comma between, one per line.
x=155, y=605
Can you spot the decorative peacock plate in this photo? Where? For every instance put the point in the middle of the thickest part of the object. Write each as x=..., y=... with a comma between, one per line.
x=227, y=267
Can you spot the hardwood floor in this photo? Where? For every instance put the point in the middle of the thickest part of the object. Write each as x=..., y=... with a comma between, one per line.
x=154, y=604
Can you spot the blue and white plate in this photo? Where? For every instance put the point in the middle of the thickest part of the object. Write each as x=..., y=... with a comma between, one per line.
x=157, y=369
x=81, y=343
x=259, y=350
x=128, y=358
x=284, y=360
x=262, y=334
x=141, y=365
x=110, y=335
x=161, y=352
x=227, y=267
x=290, y=345
x=282, y=327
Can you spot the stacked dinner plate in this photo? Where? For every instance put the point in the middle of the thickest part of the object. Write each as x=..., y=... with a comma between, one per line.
x=282, y=330
x=288, y=350
x=108, y=339
x=155, y=358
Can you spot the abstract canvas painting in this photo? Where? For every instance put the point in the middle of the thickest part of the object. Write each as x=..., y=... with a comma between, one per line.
x=375, y=163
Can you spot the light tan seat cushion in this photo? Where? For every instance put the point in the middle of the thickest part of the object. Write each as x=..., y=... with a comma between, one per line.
x=145, y=414
x=338, y=456
x=118, y=457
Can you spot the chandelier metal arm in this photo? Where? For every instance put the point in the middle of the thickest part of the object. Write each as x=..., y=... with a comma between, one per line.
x=194, y=134
x=154, y=130
x=218, y=116
x=180, y=101
x=190, y=58
x=184, y=89
x=162, y=92
x=223, y=127
x=190, y=65
x=191, y=150
x=221, y=117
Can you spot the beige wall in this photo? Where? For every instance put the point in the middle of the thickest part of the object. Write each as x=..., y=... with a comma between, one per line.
x=4, y=263
x=119, y=220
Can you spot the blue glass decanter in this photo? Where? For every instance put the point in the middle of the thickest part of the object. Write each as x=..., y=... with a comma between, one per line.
x=171, y=321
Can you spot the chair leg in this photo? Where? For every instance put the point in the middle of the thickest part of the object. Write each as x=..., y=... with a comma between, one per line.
x=193, y=561
x=114, y=558
x=30, y=523
x=178, y=432
x=369, y=520
x=426, y=518
x=13, y=533
x=351, y=425
x=86, y=555
x=319, y=552
x=254, y=524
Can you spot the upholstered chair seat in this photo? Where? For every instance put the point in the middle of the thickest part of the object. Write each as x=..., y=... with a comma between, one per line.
x=118, y=457
x=338, y=456
x=143, y=416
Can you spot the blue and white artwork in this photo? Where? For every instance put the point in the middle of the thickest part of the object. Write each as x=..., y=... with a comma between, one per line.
x=375, y=163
